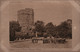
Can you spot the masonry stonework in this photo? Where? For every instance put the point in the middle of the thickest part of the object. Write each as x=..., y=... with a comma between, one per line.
x=26, y=19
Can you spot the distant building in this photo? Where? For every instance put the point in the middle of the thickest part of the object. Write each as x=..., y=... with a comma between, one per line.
x=26, y=19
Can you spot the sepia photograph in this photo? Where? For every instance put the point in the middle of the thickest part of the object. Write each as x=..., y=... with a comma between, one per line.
x=40, y=24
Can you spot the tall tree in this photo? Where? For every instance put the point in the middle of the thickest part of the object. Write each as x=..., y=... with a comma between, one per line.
x=65, y=29
x=49, y=28
x=39, y=27
x=14, y=26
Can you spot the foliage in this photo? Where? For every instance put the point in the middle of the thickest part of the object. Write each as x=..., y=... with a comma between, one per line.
x=49, y=28
x=39, y=26
x=14, y=26
x=64, y=30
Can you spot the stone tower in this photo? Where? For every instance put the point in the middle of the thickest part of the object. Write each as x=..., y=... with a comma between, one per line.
x=26, y=19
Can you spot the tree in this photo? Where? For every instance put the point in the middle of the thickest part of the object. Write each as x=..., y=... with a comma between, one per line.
x=69, y=34
x=14, y=26
x=49, y=28
x=39, y=27
x=65, y=29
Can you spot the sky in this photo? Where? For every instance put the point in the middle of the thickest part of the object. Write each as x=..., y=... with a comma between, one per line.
x=46, y=11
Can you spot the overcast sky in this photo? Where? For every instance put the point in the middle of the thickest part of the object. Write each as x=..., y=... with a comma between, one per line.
x=55, y=11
